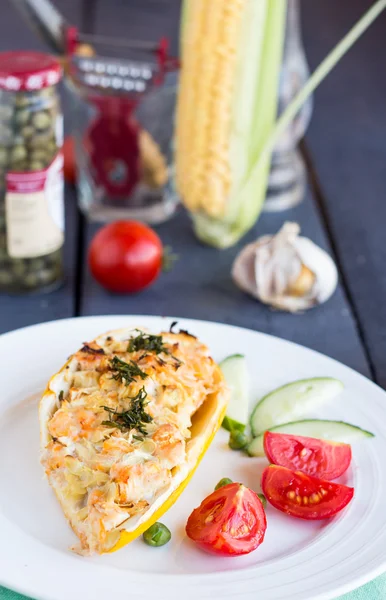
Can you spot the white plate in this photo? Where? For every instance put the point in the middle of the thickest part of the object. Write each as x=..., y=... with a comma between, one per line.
x=301, y=560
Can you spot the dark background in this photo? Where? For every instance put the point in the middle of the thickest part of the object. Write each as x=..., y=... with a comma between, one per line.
x=344, y=211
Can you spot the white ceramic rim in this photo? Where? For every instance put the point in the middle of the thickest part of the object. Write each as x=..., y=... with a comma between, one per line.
x=351, y=553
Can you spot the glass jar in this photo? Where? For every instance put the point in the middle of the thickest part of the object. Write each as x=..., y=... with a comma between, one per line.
x=123, y=127
x=31, y=173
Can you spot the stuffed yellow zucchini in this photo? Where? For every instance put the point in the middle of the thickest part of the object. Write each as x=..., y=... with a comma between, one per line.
x=123, y=425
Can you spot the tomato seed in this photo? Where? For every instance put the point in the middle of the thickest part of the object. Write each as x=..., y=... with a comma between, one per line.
x=291, y=495
x=314, y=498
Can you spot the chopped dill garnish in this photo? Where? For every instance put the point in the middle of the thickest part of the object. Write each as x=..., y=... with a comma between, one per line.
x=126, y=372
x=148, y=342
x=151, y=343
x=134, y=418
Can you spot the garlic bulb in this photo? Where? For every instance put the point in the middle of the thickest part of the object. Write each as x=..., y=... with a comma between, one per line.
x=286, y=271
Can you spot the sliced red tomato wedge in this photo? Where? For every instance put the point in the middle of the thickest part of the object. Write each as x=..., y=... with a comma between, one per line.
x=319, y=458
x=229, y=522
x=303, y=496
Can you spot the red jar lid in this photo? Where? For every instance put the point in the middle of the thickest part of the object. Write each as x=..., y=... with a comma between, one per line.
x=28, y=71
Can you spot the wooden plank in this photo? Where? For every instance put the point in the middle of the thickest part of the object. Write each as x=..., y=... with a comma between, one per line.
x=347, y=140
x=18, y=311
x=200, y=287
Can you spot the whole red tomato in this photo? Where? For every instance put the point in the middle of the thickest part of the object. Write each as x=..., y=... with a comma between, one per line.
x=229, y=522
x=125, y=256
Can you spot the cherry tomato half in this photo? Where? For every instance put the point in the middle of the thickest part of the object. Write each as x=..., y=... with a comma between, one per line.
x=125, y=256
x=303, y=496
x=229, y=522
x=319, y=458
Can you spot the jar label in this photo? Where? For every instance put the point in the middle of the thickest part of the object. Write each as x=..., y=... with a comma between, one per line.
x=35, y=211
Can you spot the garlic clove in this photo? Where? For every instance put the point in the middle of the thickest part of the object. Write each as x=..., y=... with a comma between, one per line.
x=243, y=270
x=321, y=264
x=286, y=271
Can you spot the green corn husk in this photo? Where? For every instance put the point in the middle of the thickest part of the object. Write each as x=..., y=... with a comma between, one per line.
x=253, y=132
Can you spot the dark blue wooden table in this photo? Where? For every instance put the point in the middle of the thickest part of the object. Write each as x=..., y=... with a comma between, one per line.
x=344, y=210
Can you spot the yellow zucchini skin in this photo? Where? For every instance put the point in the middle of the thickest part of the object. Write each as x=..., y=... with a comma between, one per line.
x=126, y=536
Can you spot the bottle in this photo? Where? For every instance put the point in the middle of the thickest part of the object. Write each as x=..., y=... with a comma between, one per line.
x=31, y=173
x=287, y=179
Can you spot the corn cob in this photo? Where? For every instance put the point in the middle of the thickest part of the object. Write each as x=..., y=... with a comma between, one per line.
x=252, y=132
x=226, y=105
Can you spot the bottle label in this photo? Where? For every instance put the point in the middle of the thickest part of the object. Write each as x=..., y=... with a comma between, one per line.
x=35, y=211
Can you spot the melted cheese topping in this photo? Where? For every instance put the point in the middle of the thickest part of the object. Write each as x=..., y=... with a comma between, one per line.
x=107, y=475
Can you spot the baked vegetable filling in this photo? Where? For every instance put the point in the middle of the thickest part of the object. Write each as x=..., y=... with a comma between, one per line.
x=115, y=435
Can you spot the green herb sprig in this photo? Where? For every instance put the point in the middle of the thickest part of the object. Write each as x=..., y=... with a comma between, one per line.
x=148, y=342
x=126, y=372
x=134, y=418
x=151, y=343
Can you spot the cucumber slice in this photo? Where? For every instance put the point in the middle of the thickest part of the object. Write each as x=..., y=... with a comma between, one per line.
x=235, y=372
x=292, y=401
x=337, y=431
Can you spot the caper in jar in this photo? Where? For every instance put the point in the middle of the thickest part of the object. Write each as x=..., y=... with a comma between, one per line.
x=18, y=153
x=28, y=123
x=5, y=134
x=38, y=154
x=37, y=263
x=19, y=166
x=5, y=277
x=31, y=280
x=21, y=100
x=5, y=112
x=45, y=276
x=41, y=120
x=39, y=141
x=18, y=267
x=36, y=165
x=27, y=132
x=22, y=117
x=47, y=92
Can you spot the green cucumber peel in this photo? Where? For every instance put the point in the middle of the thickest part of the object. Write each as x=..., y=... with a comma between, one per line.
x=293, y=401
